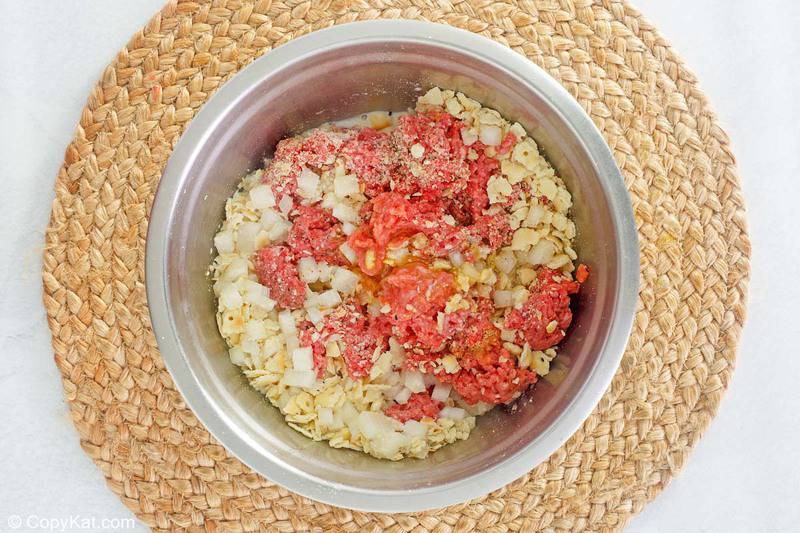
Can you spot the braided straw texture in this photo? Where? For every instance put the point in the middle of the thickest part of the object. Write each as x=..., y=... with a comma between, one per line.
x=677, y=165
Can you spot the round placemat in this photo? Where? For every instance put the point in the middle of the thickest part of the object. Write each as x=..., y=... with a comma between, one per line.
x=677, y=165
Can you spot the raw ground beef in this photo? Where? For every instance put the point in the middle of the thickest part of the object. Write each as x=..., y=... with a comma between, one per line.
x=309, y=336
x=314, y=151
x=350, y=324
x=371, y=156
x=480, y=170
x=315, y=233
x=489, y=373
x=442, y=170
x=412, y=292
x=393, y=218
x=418, y=179
x=276, y=269
x=471, y=332
x=547, y=304
x=493, y=379
x=418, y=406
x=415, y=295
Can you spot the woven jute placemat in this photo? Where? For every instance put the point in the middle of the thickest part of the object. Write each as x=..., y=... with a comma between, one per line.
x=677, y=165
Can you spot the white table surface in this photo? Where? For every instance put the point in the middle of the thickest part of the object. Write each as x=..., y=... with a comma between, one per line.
x=742, y=475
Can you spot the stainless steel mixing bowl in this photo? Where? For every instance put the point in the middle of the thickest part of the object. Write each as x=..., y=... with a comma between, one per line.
x=338, y=73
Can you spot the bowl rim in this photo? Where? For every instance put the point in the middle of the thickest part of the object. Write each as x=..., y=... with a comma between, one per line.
x=511, y=467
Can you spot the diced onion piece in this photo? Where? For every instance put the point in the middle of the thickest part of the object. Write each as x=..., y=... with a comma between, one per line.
x=468, y=136
x=308, y=270
x=508, y=335
x=415, y=381
x=223, y=242
x=456, y=258
x=524, y=238
x=515, y=172
x=329, y=200
x=311, y=299
x=441, y=392
x=417, y=151
x=314, y=315
x=332, y=350
x=246, y=236
x=303, y=358
x=261, y=196
x=292, y=342
x=350, y=417
x=325, y=416
x=299, y=378
x=534, y=216
x=505, y=261
x=414, y=428
x=450, y=364
x=345, y=213
x=382, y=366
x=392, y=378
x=397, y=254
x=344, y=281
x=432, y=97
x=374, y=425
x=329, y=298
x=454, y=107
x=468, y=103
x=498, y=189
x=337, y=421
x=503, y=299
x=229, y=297
x=542, y=253
x=548, y=188
x=255, y=329
x=285, y=204
x=469, y=270
x=453, y=413
x=269, y=217
x=287, y=322
x=271, y=346
x=558, y=261
x=349, y=413
x=278, y=231
x=395, y=389
x=491, y=135
x=308, y=184
x=325, y=272
x=389, y=444
x=236, y=269
x=262, y=239
x=238, y=357
x=519, y=295
x=250, y=346
x=403, y=395
x=396, y=348
x=346, y=185
x=348, y=229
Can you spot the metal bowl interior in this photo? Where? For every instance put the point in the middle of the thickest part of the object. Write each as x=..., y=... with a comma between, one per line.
x=337, y=73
